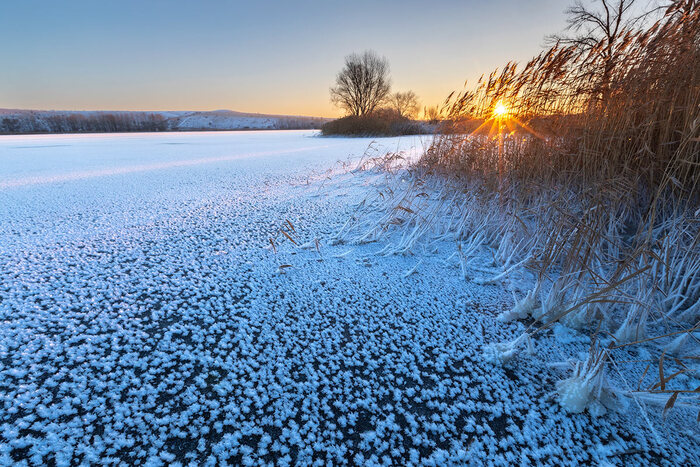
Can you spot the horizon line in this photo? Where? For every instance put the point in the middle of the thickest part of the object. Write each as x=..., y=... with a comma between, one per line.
x=3, y=109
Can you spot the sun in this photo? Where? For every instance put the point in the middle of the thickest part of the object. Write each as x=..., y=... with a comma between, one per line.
x=500, y=110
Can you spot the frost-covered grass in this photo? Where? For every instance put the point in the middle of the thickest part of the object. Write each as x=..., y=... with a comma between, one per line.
x=144, y=317
x=556, y=267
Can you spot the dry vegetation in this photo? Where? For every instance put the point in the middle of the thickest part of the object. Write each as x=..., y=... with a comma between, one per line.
x=382, y=122
x=595, y=204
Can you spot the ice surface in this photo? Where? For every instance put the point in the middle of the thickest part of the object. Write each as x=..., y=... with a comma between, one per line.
x=144, y=318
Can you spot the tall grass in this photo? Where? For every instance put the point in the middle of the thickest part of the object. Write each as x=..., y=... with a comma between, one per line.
x=595, y=198
x=598, y=188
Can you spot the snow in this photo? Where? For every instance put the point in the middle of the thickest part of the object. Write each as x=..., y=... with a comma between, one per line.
x=144, y=318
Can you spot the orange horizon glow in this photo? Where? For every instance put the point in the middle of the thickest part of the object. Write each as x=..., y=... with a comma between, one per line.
x=503, y=121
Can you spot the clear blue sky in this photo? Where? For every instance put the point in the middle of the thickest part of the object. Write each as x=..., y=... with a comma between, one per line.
x=254, y=56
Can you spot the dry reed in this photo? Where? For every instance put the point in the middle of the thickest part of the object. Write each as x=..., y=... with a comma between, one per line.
x=596, y=197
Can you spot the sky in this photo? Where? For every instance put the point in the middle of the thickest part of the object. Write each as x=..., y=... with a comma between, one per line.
x=251, y=56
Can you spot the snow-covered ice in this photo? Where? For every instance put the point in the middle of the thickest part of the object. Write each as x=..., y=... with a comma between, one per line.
x=146, y=317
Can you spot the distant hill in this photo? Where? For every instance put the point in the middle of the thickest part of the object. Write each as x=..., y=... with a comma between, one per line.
x=55, y=121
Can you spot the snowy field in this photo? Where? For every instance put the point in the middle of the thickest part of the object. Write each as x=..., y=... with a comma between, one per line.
x=144, y=318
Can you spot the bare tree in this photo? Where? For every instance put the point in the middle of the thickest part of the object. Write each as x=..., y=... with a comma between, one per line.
x=599, y=30
x=405, y=104
x=363, y=84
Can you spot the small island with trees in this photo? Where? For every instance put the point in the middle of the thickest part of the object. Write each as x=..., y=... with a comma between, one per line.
x=363, y=90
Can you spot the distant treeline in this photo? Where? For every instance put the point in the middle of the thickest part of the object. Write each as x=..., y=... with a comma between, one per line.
x=77, y=123
x=26, y=121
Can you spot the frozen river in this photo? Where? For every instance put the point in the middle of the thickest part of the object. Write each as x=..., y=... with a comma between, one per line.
x=144, y=319
x=40, y=159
